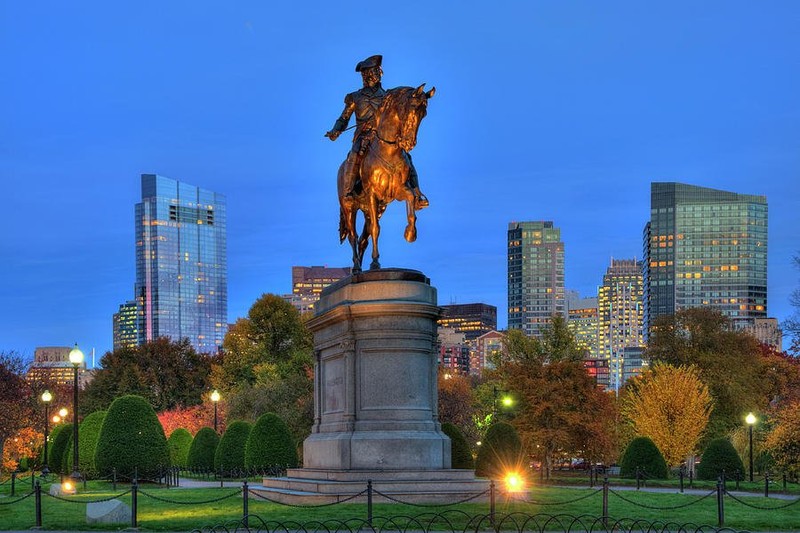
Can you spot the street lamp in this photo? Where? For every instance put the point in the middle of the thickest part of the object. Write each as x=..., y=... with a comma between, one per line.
x=215, y=400
x=751, y=420
x=76, y=358
x=46, y=399
x=63, y=413
x=506, y=400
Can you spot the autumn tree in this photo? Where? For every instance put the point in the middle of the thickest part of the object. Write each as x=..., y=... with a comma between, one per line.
x=783, y=442
x=166, y=373
x=792, y=324
x=456, y=403
x=267, y=366
x=560, y=408
x=727, y=361
x=16, y=398
x=193, y=418
x=26, y=442
x=671, y=406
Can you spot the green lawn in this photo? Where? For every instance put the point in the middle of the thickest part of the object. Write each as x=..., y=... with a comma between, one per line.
x=156, y=515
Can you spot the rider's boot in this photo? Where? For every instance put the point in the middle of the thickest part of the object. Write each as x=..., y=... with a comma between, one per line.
x=420, y=200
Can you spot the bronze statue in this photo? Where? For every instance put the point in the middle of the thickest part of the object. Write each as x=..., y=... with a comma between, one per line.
x=378, y=168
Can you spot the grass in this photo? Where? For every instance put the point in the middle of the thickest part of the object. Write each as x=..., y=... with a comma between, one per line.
x=156, y=515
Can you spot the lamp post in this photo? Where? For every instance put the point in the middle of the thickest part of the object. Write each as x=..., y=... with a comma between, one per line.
x=751, y=420
x=215, y=399
x=76, y=358
x=507, y=401
x=46, y=399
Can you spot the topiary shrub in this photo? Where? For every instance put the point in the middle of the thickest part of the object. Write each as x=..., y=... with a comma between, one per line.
x=270, y=444
x=201, y=451
x=229, y=456
x=59, y=440
x=643, y=454
x=131, y=438
x=719, y=455
x=500, y=452
x=88, y=432
x=179, y=443
x=460, y=454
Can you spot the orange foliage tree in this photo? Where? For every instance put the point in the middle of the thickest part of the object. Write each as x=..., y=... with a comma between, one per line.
x=783, y=442
x=671, y=406
x=25, y=443
x=193, y=418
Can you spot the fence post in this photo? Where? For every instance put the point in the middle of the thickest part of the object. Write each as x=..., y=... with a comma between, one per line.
x=784, y=482
x=114, y=478
x=724, y=480
x=738, y=476
x=491, y=502
x=605, y=502
x=13, y=483
x=38, y=502
x=681, y=479
x=720, y=502
x=766, y=485
x=134, y=503
x=369, y=502
x=638, y=478
x=691, y=478
x=245, y=504
x=33, y=483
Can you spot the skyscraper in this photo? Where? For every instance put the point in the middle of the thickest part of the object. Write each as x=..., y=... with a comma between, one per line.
x=705, y=247
x=535, y=275
x=308, y=282
x=620, y=314
x=181, y=263
x=473, y=320
x=582, y=321
x=126, y=334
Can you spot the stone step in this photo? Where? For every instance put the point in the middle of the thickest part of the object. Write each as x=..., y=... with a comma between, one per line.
x=299, y=497
x=378, y=475
x=472, y=486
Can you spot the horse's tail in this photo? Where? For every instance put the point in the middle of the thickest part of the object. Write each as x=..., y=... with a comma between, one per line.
x=342, y=226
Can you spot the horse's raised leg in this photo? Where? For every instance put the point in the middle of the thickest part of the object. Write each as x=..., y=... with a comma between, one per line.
x=375, y=231
x=411, y=214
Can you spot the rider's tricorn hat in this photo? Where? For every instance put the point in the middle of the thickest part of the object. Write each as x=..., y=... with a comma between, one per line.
x=370, y=62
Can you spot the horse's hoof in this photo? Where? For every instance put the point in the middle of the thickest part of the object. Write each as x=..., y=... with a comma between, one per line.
x=355, y=270
x=411, y=233
x=374, y=265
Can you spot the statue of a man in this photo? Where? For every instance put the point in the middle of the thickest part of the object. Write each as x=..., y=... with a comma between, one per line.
x=365, y=103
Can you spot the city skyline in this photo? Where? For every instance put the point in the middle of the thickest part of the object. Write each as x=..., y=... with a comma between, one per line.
x=609, y=98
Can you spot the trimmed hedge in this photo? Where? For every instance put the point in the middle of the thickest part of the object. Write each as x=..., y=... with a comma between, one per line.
x=270, y=444
x=720, y=455
x=88, y=432
x=59, y=440
x=201, y=451
x=644, y=454
x=131, y=438
x=460, y=454
x=179, y=443
x=500, y=452
x=229, y=456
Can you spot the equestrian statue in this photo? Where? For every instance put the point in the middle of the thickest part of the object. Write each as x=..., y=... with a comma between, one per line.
x=378, y=168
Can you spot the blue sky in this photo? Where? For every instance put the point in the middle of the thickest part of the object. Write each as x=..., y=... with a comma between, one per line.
x=562, y=111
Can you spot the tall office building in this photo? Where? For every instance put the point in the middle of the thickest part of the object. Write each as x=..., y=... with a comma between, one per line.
x=181, y=263
x=582, y=321
x=705, y=248
x=621, y=315
x=308, y=282
x=51, y=366
x=473, y=320
x=535, y=275
x=126, y=333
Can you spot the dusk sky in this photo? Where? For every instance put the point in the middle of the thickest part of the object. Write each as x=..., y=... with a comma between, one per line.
x=544, y=110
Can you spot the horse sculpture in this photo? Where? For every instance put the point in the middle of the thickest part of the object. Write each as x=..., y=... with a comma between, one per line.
x=384, y=172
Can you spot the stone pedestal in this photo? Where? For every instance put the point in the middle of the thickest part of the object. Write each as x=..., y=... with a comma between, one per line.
x=375, y=404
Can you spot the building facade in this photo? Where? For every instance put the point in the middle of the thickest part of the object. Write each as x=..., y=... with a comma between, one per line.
x=453, y=351
x=308, y=282
x=766, y=331
x=125, y=323
x=582, y=321
x=484, y=350
x=535, y=275
x=705, y=248
x=181, y=263
x=621, y=315
x=473, y=320
x=51, y=366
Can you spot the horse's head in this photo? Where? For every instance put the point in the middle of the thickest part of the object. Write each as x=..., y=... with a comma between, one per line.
x=407, y=107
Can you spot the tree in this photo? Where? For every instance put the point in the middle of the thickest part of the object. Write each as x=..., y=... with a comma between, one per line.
x=270, y=444
x=720, y=456
x=202, y=449
x=16, y=398
x=192, y=418
x=25, y=443
x=642, y=455
x=179, y=442
x=88, y=432
x=167, y=374
x=456, y=402
x=560, y=408
x=460, y=454
x=671, y=406
x=783, y=442
x=792, y=324
x=229, y=456
x=727, y=361
x=60, y=437
x=500, y=452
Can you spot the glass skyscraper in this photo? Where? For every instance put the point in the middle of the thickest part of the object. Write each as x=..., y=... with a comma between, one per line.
x=705, y=247
x=535, y=275
x=181, y=263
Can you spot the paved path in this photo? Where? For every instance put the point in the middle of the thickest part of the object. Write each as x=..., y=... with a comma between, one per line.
x=673, y=490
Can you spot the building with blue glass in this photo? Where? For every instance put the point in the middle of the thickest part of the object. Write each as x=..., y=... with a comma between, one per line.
x=181, y=263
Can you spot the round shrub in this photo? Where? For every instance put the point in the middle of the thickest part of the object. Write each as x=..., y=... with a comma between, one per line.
x=201, y=451
x=59, y=439
x=270, y=444
x=131, y=438
x=229, y=456
x=88, y=432
x=719, y=455
x=460, y=454
x=179, y=442
x=643, y=454
x=500, y=452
